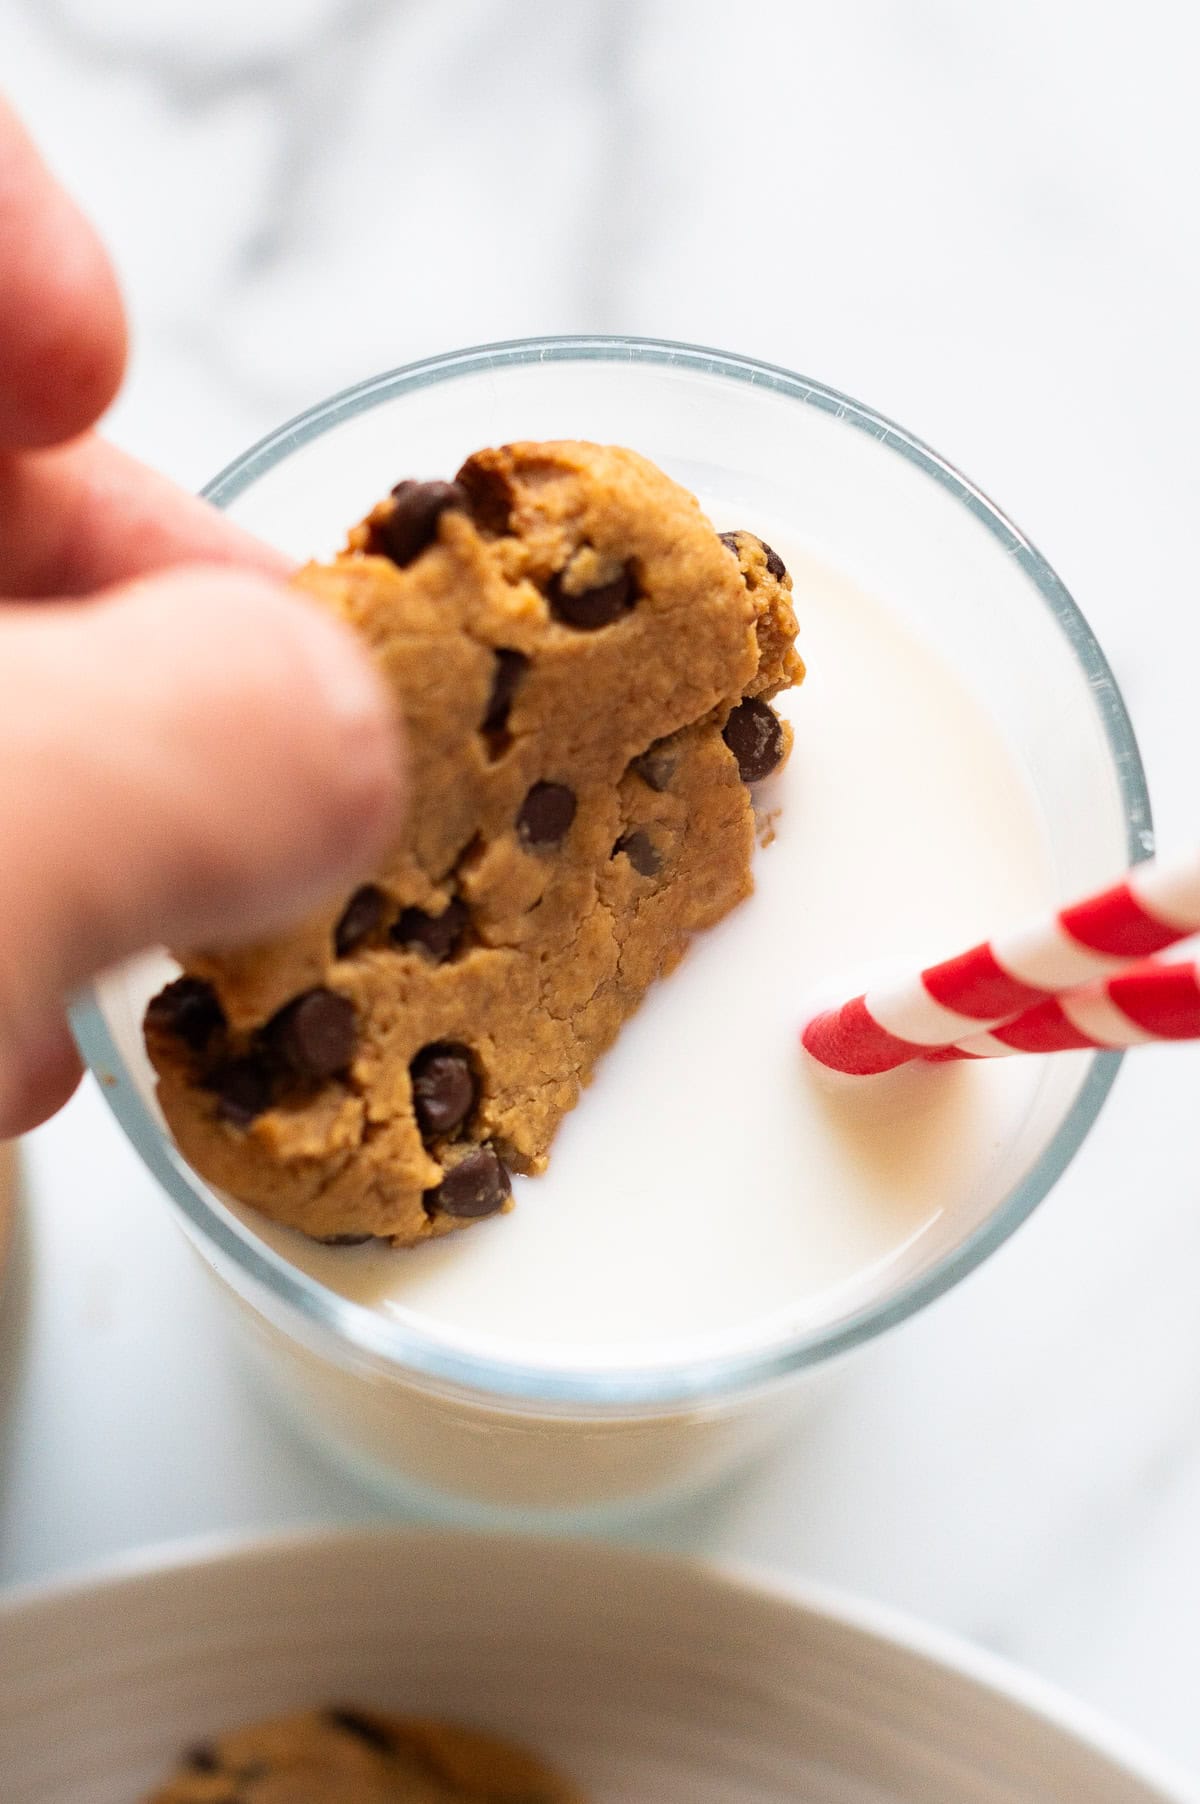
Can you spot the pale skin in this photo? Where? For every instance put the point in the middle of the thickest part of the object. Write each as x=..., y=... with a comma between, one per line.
x=189, y=752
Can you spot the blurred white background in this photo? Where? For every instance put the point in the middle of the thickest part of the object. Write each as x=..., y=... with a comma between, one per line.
x=981, y=220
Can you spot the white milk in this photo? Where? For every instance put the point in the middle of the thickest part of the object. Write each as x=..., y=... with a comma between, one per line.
x=712, y=1185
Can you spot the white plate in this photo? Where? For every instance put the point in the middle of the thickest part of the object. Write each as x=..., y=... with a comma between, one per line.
x=644, y=1678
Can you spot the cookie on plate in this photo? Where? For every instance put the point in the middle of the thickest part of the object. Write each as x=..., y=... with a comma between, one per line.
x=344, y=1756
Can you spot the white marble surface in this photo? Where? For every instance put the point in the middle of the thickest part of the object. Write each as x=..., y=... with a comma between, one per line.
x=980, y=219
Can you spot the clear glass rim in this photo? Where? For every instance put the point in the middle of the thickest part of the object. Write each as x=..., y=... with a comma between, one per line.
x=405, y=1346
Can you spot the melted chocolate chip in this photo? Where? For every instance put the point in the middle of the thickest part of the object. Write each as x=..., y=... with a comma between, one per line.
x=243, y=1089
x=775, y=564
x=730, y=541
x=314, y=1035
x=489, y=498
x=444, y=1089
x=202, y=1758
x=755, y=737
x=478, y=1185
x=363, y=1728
x=545, y=814
x=345, y=1240
x=188, y=1009
x=592, y=608
x=655, y=766
x=638, y=847
x=510, y=668
x=360, y=918
x=412, y=524
x=437, y=936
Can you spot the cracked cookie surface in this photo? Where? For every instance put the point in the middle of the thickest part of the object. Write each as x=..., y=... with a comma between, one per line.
x=585, y=669
x=344, y=1756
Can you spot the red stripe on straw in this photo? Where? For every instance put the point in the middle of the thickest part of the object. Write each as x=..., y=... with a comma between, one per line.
x=1042, y=1029
x=1162, y=1000
x=849, y=1039
x=976, y=984
x=1115, y=922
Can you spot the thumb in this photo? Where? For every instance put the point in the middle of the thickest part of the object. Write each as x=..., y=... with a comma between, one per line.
x=197, y=756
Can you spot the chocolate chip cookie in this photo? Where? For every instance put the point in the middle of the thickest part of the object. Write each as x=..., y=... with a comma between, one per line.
x=345, y=1756
x=585, y=669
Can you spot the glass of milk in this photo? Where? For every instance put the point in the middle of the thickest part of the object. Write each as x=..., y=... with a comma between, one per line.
x=720, y=1221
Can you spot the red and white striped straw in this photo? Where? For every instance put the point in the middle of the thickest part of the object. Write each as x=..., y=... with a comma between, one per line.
x=1153, y=907
x=1141, y=1004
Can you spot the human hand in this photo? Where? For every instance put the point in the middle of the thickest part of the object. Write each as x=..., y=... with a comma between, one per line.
x=188, y=751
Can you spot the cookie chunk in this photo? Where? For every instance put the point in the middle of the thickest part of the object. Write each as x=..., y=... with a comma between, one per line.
x=345, y=1756
x=585, y=669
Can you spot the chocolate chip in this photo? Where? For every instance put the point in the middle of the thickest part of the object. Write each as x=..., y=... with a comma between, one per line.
x=345, y=1240
x=243, y=1089
x=314, y=1035
x=510, y=668
x=478, y=1185
x=202, y=1758
x=188, y=1009
x=775, y=564
x=545, y=814
x=437, y=936
x=755, y=737
x=638, y=847
x=489, y=498
x=363, y=1728
x=655, y=766
x=412, y=524
x=444, y=1089
x=592, y=608
x=360, y=917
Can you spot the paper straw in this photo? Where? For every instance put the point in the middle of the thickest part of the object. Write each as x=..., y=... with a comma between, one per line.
x=1151, y=908
x=1142, y=1004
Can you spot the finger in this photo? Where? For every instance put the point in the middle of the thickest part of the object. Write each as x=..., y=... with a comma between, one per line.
x=194, y=758
x=37, y=1076
x=62, y=327
x=85, y=514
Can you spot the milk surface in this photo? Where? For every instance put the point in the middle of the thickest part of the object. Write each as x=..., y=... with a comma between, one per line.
x=713, y=1188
